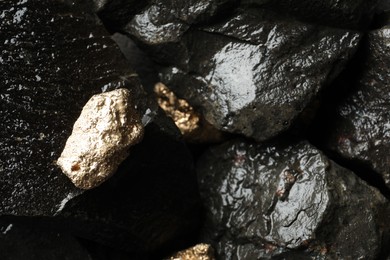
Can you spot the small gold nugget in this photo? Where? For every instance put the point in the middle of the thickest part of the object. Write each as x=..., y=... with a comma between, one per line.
x=198, y=252
x=191, y=124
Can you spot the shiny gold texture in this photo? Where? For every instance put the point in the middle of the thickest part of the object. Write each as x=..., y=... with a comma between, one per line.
x=198, y=252
x=186, y=119
x=191, y=124
x=108, y=125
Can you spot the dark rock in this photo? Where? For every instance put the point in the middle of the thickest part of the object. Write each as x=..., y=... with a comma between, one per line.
x=54, y=57
x=139, y=60
x=150, y=203
x=117, y=13
x=382, y=15
x=254, y=73
x=269, y=200
x=21, y=242
x=352, y=14
x=383, y=6
x=166, y=21
x=155, y=21
x=101, y=252
x=360, y=128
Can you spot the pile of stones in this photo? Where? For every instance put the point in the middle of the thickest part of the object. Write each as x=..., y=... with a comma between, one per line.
x=199, y=129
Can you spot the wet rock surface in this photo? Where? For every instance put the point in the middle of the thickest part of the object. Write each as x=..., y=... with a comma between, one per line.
x=359, y=129
x=254, y=73
x=166, y=21
x=158, y=22
x=258, y=70
x=264, y=200
x=66, y=56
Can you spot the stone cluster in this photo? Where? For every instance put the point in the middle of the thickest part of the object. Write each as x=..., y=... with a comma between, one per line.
x=194, y=130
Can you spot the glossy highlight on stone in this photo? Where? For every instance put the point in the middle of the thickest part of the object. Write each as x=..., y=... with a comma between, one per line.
x=361, y=124
x=264, y=200
x=264, y=127
x=255, y=72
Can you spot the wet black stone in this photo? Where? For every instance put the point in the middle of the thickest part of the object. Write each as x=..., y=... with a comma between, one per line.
x=21, y=242
x=155, y=21
x=266, y=201
x=150, y=205
x=54, y=57
x=166, y=21
x=352, y=14
x=254, y=73
x=359, y=130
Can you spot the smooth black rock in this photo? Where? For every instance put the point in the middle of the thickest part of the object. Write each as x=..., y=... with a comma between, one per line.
x=272, y=200
x=359, y=130
x=54, y=57
x=150, y=204
x=352, y=14
x=21, y=242
x=254, y=73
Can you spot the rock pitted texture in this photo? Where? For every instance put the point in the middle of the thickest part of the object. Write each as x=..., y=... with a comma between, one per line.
x=54, y=56
x=263, y=200
x=360, y=128
x=255, y=72
x=108, y=125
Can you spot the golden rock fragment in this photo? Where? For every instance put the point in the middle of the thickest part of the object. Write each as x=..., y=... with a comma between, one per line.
x=198, y=252
x=191, y=124
x=108, y=125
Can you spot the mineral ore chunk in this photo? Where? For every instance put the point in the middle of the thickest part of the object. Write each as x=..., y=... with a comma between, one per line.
x=107, y=127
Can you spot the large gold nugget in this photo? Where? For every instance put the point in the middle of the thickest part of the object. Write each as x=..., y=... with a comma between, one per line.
x=107, y=127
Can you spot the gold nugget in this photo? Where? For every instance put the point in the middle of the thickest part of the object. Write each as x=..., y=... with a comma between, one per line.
x=198, y=252
x=108, y=125
x=191, y=124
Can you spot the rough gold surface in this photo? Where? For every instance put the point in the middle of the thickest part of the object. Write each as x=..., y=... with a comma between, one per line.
x=186, y=119
x=190, y=123
x=198, y=252
x=108, y=125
